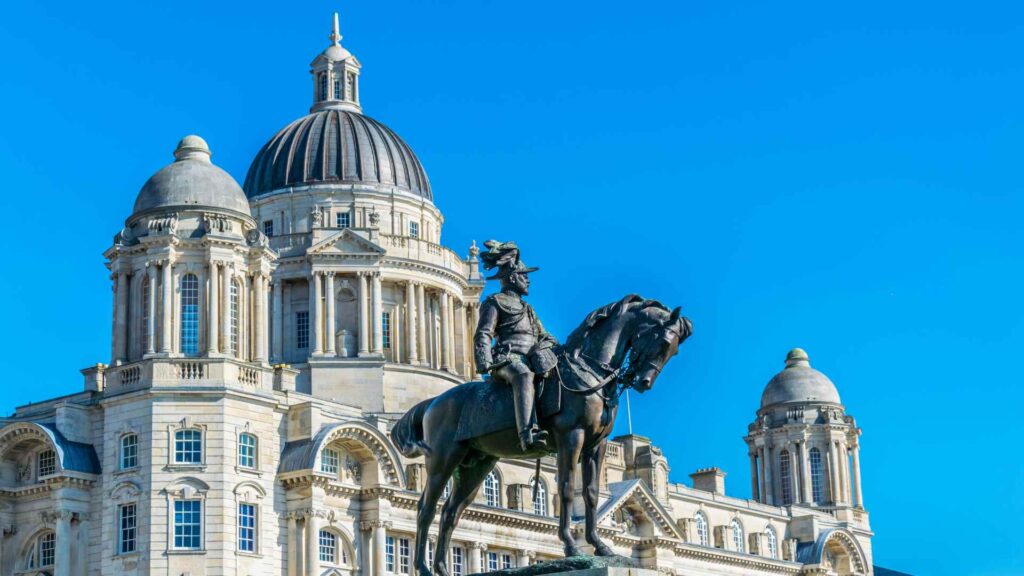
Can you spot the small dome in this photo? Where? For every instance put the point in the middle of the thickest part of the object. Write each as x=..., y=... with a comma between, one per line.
x=798, y=382
x=335, y=145
x=192, y=181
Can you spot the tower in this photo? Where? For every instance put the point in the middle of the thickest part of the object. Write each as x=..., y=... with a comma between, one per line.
x=804, y=448
x=335, y=74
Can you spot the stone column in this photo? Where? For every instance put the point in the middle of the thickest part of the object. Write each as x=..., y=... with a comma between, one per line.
x=150, y=305
x=858, y=497
x=380, y=535
x=329, y=330
x=62, y=554
x=278, y=336
x=474, y=319
x=312, y=544
x=476, y=557
x=459, y=336
x=316, y=314
x=294, y=543
x=411, y=320
x=794, y=474
x=364, y=345
x=445, y=331
x=769, y=476
x=121, y=324
x=805, y=466
x=167, y=306
x=378, y=328
x=212, y=339
x=225, y=308
x=421, y=325
x=754, y=485
x=260, y=310
x=833, y=472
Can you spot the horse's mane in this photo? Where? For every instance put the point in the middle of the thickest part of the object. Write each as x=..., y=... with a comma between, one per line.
x=606, y=312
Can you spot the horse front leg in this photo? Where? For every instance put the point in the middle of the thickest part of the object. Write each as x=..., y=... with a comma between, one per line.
x=592, y=460
x=569, y=446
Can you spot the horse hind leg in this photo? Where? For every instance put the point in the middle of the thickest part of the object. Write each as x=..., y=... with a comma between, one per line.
x=439, y=467
x=465, y=484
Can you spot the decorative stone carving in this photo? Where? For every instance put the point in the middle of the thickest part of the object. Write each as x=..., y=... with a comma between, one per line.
x=374, y=219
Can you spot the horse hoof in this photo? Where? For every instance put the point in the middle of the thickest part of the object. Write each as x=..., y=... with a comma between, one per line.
x=603, y=550
x=573, y=551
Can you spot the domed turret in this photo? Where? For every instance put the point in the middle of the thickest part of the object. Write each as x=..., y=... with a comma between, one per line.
x=191, y=181
x=798, y=382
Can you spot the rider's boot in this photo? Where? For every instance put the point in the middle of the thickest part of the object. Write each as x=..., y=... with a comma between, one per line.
x=533, y=439
x=530, y=438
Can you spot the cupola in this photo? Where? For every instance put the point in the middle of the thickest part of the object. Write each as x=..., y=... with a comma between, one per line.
x=335, y=76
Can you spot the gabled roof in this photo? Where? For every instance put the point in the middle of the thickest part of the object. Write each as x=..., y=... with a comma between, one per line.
x=347, y=242
x=637, y=492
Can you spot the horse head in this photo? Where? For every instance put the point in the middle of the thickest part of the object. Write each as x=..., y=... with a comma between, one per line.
x=654, y=344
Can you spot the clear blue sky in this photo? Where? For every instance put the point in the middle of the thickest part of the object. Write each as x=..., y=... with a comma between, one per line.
x=845, y=178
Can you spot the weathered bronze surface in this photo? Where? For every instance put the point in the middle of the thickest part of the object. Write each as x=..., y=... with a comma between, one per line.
x=463, y=432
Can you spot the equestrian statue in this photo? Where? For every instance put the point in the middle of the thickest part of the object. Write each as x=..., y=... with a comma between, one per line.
x=537, y=398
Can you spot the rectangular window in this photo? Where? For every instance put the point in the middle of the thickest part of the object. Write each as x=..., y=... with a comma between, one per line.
x=343, y=219
x=506, y=562
x=246, y=451
x=328, y=547
x=414, y=229
x=403, y=555
x=188, y=522
x=389, y=554
x=129, y=451
x=492, y=561
x=268, y=228
x=302, y=330
x=190, y=314
x=47, y=463
x=329, y=461
x=337, y=89
x=247, y=527
x=188, y=447
x=458, y=561
x=126, y=520
x=47, y=550
x=385, y=327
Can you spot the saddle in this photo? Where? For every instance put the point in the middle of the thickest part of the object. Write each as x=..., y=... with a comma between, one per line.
x=489, y=408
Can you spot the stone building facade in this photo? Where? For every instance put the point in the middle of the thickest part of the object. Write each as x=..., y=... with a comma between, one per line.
x=265, y=336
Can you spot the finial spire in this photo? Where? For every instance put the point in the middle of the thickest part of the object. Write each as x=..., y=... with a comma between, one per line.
x=335, y=36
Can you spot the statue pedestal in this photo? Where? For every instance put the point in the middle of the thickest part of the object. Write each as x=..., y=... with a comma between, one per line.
x=579, y=566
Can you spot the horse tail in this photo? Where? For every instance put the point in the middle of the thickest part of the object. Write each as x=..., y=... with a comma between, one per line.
x=407, y=433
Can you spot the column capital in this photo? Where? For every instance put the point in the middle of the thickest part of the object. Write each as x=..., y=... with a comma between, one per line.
x=477, y=545
x=374, y=524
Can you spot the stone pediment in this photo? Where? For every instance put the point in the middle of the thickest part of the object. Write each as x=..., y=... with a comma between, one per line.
x=345, y=242
x=633, y=508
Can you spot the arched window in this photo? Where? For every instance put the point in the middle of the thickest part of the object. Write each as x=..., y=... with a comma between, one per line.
x=817, y=477
x=447, y=489
x=337, y=89
x=328, y=547
x=702, y=529
x=189, y=314
x=42, y=551
x=492, y=490
x=786, y=477
x=233, y=336
x=247, y=450
x=188, y=447
x=737, y=536
x=145, y=314
x=47, y=463
x=772, y=542
x=540, y=503
x=323, y=86
x=129, y=457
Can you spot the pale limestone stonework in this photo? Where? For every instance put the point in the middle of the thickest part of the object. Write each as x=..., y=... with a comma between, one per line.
x=265, y=339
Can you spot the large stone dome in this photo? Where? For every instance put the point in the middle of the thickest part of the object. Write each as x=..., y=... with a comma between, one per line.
x=192, y=181
x=336, y=145
x=798, y=382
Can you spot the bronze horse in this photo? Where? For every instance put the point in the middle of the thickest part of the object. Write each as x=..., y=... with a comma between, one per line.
x=592, y=371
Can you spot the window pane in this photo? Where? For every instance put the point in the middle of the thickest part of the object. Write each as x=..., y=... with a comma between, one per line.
x=302, y=330
x=491, y=490
x=126, y=530
x=389, y=554
x=247, y=451
x=328, y=547
x=47, y=463
x=385, y=322
x=403, y=555
x=329, y=461
x=233, y=327
x=129, y=451
x=817, y=480
x=47, y=549
x=189, y=314
x=343, y=219
x=540, y=503
x=187, y=524
x=188, y=447
x=786, y=477
x=458, y=561
x=247, y=527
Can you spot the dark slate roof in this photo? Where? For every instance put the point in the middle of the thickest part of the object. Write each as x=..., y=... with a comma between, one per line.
x=336, y=145
x=879, y=571
x=74, y=456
